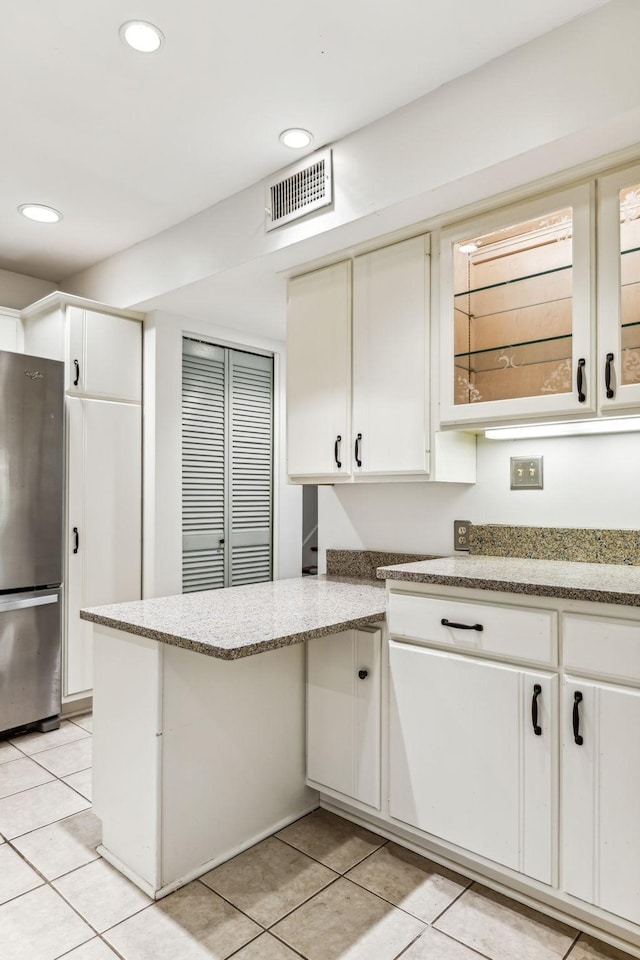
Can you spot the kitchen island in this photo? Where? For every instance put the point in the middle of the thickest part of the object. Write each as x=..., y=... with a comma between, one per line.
x=199, y=719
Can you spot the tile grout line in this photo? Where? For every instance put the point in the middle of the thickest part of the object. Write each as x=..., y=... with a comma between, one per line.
x=577, y=937
x=455, y=900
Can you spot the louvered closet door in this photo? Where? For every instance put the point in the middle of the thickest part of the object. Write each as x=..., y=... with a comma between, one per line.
x=227, y=467
x=251, y=474
x=203, y=466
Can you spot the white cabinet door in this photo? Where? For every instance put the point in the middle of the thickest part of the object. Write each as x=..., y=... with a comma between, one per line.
x=465, y=762
x=343, y=714
x=390, y=330
x=319, y=373
x=619, y=290
x=518, y=314
x=601, y=785
x=103, y=521
x=105, y=355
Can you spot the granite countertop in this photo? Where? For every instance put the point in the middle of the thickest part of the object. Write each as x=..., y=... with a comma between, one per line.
x=599, y=582
x=241, y=621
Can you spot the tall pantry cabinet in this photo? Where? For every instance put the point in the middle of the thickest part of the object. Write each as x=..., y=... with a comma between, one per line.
x=102, y=351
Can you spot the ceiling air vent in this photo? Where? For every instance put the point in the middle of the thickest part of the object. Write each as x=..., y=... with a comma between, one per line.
x=307, y=186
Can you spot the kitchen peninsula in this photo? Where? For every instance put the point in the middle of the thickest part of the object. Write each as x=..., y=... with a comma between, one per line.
x=499, y=679
x=197, y=758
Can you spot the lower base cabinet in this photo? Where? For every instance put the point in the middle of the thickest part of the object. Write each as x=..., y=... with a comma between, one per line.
x=343, y=714
x=511, y=742
x=466, y=764
x=601, y=795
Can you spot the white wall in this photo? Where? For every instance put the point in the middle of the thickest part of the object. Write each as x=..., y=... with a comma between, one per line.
x=588, y=482
x=162, y=466
x=18, y=290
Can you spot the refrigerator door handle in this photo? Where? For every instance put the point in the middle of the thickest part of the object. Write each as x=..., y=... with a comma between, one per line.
x=7, y=605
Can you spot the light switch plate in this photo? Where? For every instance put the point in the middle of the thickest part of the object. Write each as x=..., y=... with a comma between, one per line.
x=526, y=473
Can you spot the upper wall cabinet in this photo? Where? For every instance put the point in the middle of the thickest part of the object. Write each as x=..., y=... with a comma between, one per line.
x=357, y=373
x=517, y=301
x=102, y=349
x=619, y=290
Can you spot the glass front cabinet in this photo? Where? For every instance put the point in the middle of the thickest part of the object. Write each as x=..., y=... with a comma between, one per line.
x=517, y=312
x=619, y=290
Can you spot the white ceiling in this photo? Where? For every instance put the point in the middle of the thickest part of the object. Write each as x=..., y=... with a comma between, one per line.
x=126, y=145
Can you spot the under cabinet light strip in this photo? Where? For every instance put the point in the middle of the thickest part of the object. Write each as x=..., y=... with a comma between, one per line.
x=577, y=428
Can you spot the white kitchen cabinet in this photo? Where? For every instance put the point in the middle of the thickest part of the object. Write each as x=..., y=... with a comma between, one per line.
x=358, y=389
x=343, y=714
x=518, y=312
x=600, y=833
x=466, y=764
x=101, y=348
x=104, y=490
x=619, y=291
x=390, y=423
x=319, y=374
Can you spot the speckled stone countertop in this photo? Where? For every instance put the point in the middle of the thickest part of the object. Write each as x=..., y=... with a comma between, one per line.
x=599, y=582
x=241, y=621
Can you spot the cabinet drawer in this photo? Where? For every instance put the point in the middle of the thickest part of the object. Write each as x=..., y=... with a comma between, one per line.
x=607, y=648
x=518, y=633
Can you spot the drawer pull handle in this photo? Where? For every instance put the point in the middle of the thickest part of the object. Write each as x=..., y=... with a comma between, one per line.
x=336, y=450
x=363, y=674
x=607, y=377
x=577, y=699
x=357, y=450
x=462, y=626
x=537, y=690
x=579, y=380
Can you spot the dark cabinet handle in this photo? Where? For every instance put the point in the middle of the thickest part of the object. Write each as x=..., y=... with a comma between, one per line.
x=76, y=535
x=77, y=379
x=607, y=377
x=580, y=379
x=336, y=451
x=577, y=699
x=537, y=690
x=357, y=450
x=462, y=626
x=363, y=674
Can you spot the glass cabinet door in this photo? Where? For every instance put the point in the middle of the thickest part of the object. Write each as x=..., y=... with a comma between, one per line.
x=619, y=290
x=516, y=312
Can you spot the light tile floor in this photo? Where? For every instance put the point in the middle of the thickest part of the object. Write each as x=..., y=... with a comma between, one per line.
x=321, y=889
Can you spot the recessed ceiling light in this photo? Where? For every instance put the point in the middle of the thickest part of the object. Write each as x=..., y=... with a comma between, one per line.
x=142, y=36
x=39, y=212
x=470, y=247
x=296, y=138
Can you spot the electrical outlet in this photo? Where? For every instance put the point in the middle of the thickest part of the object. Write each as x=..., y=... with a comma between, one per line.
x=461, y=534
x=526, y=473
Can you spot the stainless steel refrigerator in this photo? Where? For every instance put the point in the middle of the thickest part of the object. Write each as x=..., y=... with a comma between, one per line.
x=31, y=519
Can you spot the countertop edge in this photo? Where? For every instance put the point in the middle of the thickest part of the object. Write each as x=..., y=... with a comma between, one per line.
x=510, y=586
x=235, y=653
